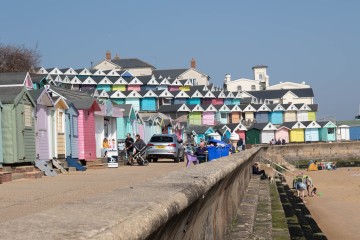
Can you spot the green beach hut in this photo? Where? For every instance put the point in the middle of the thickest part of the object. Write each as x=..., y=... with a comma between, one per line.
x=18, y=125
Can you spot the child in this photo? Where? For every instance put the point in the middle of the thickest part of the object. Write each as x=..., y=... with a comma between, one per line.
x=313, y=192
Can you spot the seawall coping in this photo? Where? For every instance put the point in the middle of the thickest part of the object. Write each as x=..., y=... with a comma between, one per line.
x=126, y=213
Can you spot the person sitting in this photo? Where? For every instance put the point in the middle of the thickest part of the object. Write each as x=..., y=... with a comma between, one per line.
x=201, y=152
x=257, y=171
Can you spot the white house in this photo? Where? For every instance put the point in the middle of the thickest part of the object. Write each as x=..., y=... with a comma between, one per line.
x=137, y=66
x=260, y=81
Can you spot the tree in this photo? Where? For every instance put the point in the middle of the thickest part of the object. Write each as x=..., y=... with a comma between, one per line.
x=18, y=58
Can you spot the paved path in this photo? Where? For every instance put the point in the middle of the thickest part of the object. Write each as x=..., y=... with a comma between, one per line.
x=25, y=197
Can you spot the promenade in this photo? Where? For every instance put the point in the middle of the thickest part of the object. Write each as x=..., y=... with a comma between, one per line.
x=25, y=200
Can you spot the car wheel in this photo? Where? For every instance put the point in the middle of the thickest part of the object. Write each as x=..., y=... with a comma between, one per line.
x=176, y=159
x=182, y=158
x=155, y=159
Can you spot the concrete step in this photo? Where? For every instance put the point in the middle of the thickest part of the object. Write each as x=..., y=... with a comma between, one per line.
x=5, y=177
x=244, y=224
x=71, y=169
x=97, y=166
x=263, y=219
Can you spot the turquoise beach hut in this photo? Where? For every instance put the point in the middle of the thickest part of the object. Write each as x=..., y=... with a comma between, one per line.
x=126, y=124
x=276, y=116
x=327, y=132
x=148, y=101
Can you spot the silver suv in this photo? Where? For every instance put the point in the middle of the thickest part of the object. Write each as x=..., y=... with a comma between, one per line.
x=165, y=146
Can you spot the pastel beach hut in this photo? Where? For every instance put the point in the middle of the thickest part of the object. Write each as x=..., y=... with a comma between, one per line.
x=133, y=97
x=72, y=131
x=327, y=131
x=302, y=114
x=208, y=115
x=18, y=125
x=297, y=131
x=276, y=116
x=134, y=84
x=240, y=129
x=200, y=132
x=175, y=85
x=248, y=113
x=103, y=83
x=126, y=124
x=290, y=114
x=57, y=127
x=260, y=133
x=343, y=133
x=235, y=115
x=86, y=107
x=195, y=116
x=87, y=82
x=219, y=98
x=186, y=85
x=149, y=83
x=312, y=113
x=230, y=98
x=311, y=131
x=195, y=97
x=148, y=102
x=118, y=97
x=16, y=79
x=180, y=97
x=222, y=115
x=120, y=84
x=208, y=97
x=262, y=113
x=283, y=133
x=44, y=103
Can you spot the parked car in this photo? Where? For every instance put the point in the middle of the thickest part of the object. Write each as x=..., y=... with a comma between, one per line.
x=165, y=146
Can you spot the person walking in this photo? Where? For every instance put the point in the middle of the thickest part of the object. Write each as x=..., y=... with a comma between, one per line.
x=139, y=143
x=129, y=146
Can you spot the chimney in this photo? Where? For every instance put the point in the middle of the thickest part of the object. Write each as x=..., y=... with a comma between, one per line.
x=193, y=63
x=108, y=55
x=117, y=57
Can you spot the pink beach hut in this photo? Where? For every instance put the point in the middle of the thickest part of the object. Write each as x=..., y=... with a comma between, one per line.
x=208, y=116
x=282, y=133
x=86, y=107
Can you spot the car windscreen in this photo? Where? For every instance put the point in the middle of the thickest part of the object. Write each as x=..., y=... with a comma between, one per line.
x=161, y=139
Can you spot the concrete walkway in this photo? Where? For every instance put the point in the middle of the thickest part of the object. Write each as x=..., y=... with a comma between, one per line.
x=36, y=201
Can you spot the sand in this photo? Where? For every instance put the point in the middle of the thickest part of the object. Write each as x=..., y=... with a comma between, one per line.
x=337, y=210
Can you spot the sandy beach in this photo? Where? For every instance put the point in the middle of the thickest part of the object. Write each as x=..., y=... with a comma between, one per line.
x=337, y=210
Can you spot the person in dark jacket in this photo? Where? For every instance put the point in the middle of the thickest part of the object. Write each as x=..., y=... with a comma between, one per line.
x=139, y=143
x=257, y=171
x=201, y=152
x=129, y=141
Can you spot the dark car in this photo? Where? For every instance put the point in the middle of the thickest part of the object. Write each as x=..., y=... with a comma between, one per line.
x=165, y=146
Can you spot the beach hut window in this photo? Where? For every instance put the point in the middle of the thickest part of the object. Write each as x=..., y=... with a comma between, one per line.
x=134, y=94
x=60, y=122
x=330, y=130
x=89, y=81
x=28, y=115
x=118, y=94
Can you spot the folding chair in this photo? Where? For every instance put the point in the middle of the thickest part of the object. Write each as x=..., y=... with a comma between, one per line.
x=191, y=158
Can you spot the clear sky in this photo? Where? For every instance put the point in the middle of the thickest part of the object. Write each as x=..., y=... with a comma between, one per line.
x=316, y=41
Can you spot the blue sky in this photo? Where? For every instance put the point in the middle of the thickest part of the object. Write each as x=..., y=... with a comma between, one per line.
x=312, y=41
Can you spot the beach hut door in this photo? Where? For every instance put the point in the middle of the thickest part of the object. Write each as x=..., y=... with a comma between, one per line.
x=20, y=132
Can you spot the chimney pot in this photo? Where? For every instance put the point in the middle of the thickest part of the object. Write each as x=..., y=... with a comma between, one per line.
x=193, y=63
x=108, y=55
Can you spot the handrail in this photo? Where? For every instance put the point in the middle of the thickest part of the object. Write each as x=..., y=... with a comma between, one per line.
x=278, y=166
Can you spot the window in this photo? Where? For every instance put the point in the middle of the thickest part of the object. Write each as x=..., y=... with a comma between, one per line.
x=260, y=76
x=253, y=87
x=60, y=122
x=223, y=115
x=28, y=115
x=331, y=131
x=167, y=101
